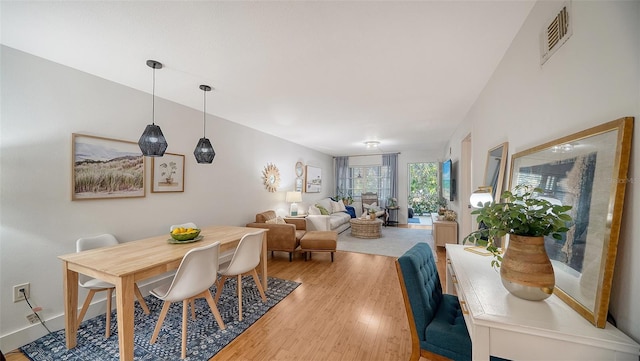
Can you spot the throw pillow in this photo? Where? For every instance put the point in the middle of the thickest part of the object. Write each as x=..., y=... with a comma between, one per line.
x=326, y=203
x=323, y=210
x=313, y=210
x=335, y=207
x=367, y=206
x=277, y=220
x=341, y=207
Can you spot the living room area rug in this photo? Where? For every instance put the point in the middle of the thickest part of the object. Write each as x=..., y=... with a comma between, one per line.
x=204, y=337
x=393, y=243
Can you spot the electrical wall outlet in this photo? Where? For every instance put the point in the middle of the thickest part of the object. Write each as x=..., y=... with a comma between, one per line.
x=19, y=296
x=32, y=318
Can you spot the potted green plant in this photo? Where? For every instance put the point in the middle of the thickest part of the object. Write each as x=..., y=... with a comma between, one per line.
x=527, y=218
x=346, y=198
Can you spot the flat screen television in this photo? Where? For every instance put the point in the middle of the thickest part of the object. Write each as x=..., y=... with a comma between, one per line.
x=448, y=181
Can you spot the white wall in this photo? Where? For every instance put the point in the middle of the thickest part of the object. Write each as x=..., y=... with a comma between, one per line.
x=592, y=79
x=43, y=103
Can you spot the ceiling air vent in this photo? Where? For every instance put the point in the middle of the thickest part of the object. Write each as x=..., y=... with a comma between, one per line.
x=555, y=33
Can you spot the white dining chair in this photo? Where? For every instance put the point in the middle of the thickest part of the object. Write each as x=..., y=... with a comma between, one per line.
x=196, y=273
x=244, y=261
x=184, y=225
x=95, y=285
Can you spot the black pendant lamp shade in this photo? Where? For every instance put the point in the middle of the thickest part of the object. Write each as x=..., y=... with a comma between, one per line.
x=152, y=142
x=204, y=152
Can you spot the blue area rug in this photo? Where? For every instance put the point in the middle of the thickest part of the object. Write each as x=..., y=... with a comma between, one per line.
x=204, y=337
x=413, y=220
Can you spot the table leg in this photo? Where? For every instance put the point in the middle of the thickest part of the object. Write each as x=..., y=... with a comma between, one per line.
x=70, y=292
x=480, y=343
x=264, y=261
x=125, y=291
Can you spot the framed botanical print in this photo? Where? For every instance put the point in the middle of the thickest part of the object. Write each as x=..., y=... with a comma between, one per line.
x=167, y=173
x=104, y=168
x=299, y=182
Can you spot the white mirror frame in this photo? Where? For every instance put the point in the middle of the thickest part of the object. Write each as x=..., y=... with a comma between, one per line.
x=495, y=169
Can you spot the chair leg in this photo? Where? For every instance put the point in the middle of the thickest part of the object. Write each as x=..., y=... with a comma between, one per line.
x=214, y=309
x=290, y=256
x=141, y=300
x=332, y=256
x=219, y=286
x=163, y=314
x=185, y=306
x=192, y=303
x=259, y=285
x=240, y=297
x=107, y=332
x=86, y=304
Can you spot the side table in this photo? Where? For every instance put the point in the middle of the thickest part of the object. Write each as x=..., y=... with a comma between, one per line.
x=297, y=216
x=444, y=232
x=392, y=216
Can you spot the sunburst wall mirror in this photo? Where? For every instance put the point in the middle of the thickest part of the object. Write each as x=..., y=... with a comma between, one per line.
x=271, y=177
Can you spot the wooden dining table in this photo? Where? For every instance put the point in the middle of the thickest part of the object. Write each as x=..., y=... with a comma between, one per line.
x=127, y=263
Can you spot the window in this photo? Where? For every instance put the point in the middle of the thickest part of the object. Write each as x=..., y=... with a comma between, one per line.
x=371, y=178
x=423, y=187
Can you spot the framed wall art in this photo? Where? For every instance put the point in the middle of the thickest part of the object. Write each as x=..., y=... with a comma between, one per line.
x=106, y=168
x=313, y=179
x=588, y=171
x=299, y=182
x=167, y=173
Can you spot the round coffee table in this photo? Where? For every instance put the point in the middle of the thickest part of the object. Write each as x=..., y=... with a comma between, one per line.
x=366, y=228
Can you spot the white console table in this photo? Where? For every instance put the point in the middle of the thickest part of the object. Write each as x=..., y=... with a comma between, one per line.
x=503, y=325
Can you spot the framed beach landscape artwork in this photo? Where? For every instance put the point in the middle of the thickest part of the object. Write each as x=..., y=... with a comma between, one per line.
x=106, y=168
x=167, y=173
x=587, y=171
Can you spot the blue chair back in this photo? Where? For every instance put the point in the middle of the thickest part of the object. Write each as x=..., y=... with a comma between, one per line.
x=422, y=284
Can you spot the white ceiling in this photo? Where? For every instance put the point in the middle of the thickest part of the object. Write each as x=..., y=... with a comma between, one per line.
x=327, y=75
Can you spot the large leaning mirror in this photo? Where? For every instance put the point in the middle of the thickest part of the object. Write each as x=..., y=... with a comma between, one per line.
x=587, y=170
x=494, y=171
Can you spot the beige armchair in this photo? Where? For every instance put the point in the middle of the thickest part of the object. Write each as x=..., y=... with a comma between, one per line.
x=281, y=237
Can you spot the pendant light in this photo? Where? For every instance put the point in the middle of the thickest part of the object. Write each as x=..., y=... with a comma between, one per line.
x=152, y=142
x=204, y=152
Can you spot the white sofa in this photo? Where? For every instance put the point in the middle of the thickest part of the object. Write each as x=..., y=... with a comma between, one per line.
x=337, y=219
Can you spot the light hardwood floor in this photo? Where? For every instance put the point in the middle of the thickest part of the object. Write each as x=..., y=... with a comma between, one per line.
x=350, y=309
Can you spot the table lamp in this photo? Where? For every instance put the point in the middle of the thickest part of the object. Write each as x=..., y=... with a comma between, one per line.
x=293, y=198
x=481, y=196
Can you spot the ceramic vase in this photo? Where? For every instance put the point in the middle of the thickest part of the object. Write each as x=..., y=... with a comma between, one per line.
x=526, y=270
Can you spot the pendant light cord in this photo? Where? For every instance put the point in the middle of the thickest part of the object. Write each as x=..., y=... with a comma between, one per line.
x=153, y=98
x=204, y=114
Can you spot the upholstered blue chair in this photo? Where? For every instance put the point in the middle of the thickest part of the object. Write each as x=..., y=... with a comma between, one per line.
x=435, y=319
